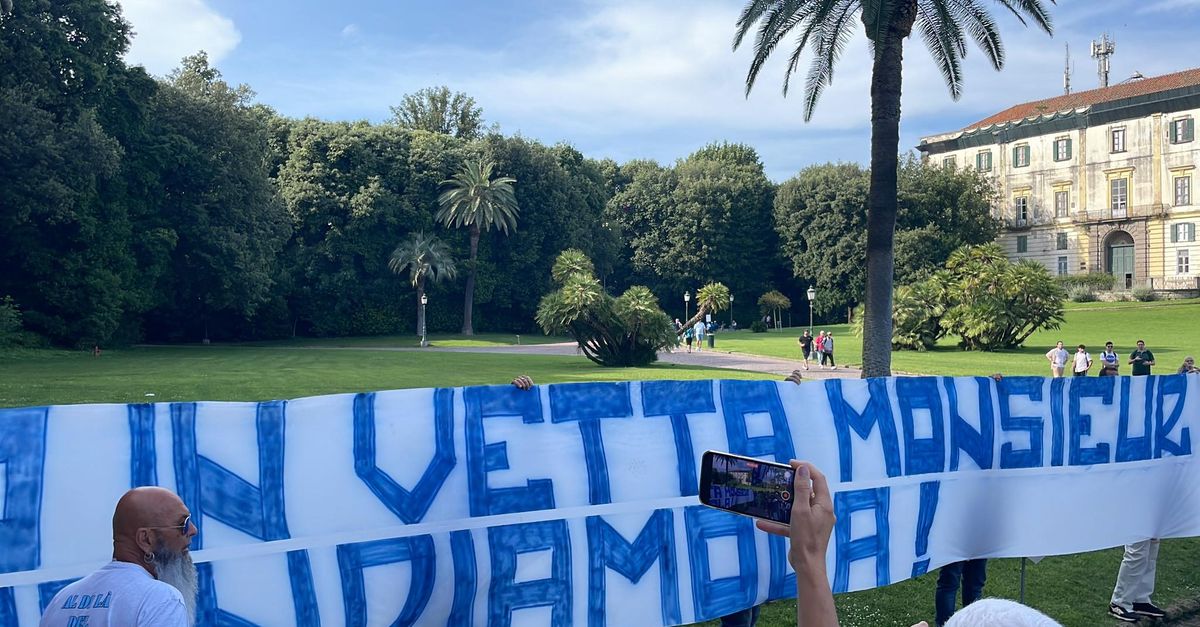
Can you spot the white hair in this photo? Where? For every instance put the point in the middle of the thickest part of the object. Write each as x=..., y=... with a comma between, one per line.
x=177, y=569
x=1000, y=613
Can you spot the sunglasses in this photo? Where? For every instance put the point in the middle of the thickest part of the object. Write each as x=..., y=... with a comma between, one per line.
x=183, y=528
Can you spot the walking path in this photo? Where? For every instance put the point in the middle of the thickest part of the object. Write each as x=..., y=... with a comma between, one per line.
x=712, y=358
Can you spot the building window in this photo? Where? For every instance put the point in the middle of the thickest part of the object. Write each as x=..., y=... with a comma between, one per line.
x=983, y=161
x=1183, y=261
x=1021, y=209
x=949, y=162
x=1118, y=196
x=1062, y=266
x=1021, y=156
x=1183, y=191
x=1022, y=243
x=1118, y=139
x=1062, y=149
x=1181, y=130
x=1060, y=241
x=1183, y=232
x=1062, y=203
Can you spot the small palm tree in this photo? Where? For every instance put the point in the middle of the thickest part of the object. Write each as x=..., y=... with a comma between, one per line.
x=426, y=258
x=822, y=27
x=711, y=298
x=479, y=202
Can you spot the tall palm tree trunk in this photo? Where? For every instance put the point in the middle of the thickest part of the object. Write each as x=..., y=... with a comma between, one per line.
x=886, y=82
x=469, y=297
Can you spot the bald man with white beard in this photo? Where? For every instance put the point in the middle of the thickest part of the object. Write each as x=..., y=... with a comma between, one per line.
x=151, y=580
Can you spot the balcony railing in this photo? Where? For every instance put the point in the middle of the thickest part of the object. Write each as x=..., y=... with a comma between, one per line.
x=1119, y=213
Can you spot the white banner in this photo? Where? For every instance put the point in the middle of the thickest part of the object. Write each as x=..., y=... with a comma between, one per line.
x=575, y=504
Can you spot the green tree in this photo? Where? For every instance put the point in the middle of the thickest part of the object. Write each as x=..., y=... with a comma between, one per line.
x=426, y=258
x=479, y=202
x=437, y=110
x=710, y=299
x=616, y=332
x=992, y=303
x=823, y=27
x=772, y=302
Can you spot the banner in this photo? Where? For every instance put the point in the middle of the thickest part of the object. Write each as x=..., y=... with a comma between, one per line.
x=576, y=504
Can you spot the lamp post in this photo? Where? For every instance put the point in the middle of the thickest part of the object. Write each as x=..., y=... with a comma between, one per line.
x=812, y=295
x=731, y=310
x=424, y=337
x=687, y=300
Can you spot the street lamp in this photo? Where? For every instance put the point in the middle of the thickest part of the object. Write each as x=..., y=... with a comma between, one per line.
x=812, y=295
x=687, y=299
x=731, y=310
x=424, y=337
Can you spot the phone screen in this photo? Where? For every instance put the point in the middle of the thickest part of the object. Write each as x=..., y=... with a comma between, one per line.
x=746, y=486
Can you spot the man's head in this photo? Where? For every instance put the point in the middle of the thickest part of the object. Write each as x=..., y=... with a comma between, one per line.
x=1060, y=344
x=1141, y=344
x=1080, y=348
x=153, y=528
x=1108, y=346
x=806, y=333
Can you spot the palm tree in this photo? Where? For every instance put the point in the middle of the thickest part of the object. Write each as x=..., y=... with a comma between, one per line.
x=711, y=298
x=479, y=202
x=823, y=26
x=426, y=258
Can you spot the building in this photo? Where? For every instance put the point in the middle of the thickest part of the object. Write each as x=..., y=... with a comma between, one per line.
x=1095, y=181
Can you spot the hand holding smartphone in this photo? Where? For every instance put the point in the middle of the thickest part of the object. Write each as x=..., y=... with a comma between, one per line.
x=747, y=486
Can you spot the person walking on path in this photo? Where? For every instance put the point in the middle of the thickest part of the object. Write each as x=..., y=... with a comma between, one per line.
x=699, y=333
x=1057, y=357
x=1109, y=361
x=828, y=354
x=687, y=337
x=806, y=346
x=1141, y=359
x=1083, y=361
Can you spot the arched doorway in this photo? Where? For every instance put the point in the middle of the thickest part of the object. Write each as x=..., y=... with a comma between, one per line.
x=1118, y=249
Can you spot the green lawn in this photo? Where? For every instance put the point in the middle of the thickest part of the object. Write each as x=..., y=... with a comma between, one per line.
x=441, y=340
x=1073, y=589
x=221, y=373
x=1169, y=328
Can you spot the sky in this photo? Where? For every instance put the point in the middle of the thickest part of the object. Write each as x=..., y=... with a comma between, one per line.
x=631, y=79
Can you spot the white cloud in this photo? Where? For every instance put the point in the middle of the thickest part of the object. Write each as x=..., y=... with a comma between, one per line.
x=1170, y=5
x=165, y=31
x=350, y=30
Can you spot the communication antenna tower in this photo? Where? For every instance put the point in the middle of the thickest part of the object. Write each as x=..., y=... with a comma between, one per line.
x=1101, y=51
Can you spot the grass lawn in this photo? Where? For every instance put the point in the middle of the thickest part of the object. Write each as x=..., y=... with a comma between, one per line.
x=1169, y=328
x=226, y=373
x=1073, y=589
x=441, y=340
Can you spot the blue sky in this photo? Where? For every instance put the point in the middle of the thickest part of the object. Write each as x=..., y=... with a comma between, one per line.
x=628, y=78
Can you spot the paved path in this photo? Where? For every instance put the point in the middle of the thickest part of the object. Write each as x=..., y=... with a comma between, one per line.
x=709, y=358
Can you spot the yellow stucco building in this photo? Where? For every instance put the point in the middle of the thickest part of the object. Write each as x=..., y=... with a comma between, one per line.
x=1095, y=181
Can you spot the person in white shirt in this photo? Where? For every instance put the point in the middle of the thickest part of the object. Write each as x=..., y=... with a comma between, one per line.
x=151, y=580
x=699, y=331
x=1083, y=361
x=1109, y=361
x=1057, y=357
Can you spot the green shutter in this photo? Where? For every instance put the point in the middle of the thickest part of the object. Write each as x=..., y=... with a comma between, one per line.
x=1187, y=129
x=1016, y=151
x=1174, y=233
x=1068, y=140
x=1191, y=232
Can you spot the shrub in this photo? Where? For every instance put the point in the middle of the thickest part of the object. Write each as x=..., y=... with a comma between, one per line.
x=1143, y=294
x=10, y=322
x=1082, y=294
x=624, y=331
x=759, y=326
x=1096, y=281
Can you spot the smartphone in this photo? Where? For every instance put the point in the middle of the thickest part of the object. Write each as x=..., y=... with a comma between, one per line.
x=746, y=486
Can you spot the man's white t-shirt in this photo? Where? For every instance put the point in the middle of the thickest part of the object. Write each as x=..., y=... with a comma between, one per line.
x=1058, y=357
x=118, y=595
x=1083, y=361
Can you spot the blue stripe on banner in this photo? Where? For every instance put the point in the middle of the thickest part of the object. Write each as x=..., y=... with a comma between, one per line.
x=922, y=455
x=1056, y=420
x=1132, y=449
x=1174, y=385
x=608, y=549
x=466, y=579
x=679, y=399
x=712, y=598
x=143, y=461
x=410, y=507
x=23, y=453
x=588, y=404
x=8, y=607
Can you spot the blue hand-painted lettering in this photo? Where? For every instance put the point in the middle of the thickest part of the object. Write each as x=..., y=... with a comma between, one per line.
x=877, y=412
x=588, y=404
x=483, y=457
x=679, y=399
